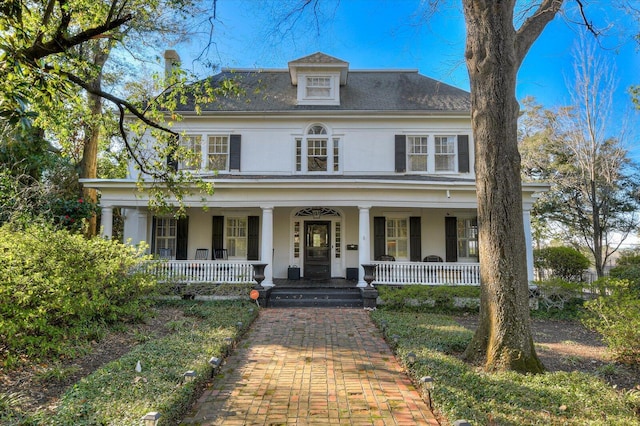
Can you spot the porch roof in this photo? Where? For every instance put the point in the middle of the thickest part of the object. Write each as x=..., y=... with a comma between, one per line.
x=292, y=190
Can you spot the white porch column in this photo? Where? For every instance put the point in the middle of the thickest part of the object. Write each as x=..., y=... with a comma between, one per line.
x=364, y=243
x=106, y=222
x=267, y=245
x=528, y=240
x=142, y=235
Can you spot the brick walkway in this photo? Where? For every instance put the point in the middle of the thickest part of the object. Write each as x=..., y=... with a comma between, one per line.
x=311, y=366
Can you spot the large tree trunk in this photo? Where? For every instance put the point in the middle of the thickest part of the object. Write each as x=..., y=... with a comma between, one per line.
x=89, y=163
x=494, y=52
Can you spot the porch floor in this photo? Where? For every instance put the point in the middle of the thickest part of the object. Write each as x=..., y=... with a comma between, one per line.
x=314, y=284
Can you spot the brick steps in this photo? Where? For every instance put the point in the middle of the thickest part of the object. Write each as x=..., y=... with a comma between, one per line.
x=283, y=297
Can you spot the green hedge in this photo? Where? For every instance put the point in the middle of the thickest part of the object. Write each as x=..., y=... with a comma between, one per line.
x=427, y=297
x=58, y=289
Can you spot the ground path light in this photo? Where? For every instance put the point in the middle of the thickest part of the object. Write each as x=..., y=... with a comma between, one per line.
x=189, y=376
x=428, y=384
x=151, y=418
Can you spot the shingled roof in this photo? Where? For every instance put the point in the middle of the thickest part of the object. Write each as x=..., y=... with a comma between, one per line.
x=376, y=91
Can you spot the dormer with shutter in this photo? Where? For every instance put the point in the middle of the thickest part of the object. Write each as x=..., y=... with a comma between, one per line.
x=318, y=78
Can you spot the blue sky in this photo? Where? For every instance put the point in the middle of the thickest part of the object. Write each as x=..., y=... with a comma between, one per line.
x=377, y=34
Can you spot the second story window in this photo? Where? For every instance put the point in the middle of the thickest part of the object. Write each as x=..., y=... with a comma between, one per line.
x=418, y=153
x=218, y=153
x=445, y=154
x=432, y=153
x=317, y=151
x=193, y=155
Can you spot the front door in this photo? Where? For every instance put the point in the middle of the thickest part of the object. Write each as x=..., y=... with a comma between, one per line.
x=317, y=250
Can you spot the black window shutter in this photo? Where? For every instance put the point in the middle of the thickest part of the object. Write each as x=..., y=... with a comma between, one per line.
x=463, y=153
x=253, y=238
x=182, y=234
x=415, y=239
x=401, y=154
x=379, y=236
x=153, y=235
x=234, y=152
x=451, y=238
x=217, y=233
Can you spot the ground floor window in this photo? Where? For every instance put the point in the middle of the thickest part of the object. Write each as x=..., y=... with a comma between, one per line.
x=237, y=237
x=166, y=232
x=397, y=234
x=468, y=239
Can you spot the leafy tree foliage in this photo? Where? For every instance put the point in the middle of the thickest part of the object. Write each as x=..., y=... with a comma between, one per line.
x=52, y=57
x=595, y=186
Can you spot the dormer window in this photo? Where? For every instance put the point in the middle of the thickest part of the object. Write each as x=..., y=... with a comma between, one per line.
x=318, y=78
x=319, y=87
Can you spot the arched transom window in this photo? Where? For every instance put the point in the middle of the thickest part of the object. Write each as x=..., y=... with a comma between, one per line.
x=318, y=151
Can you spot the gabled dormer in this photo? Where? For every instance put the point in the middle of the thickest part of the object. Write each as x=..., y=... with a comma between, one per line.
x=318, y=78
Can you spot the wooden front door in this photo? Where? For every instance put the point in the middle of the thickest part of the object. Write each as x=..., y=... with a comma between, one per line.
x=317, y=250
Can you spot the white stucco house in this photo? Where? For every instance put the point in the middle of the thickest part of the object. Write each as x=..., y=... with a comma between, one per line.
x=323, y=168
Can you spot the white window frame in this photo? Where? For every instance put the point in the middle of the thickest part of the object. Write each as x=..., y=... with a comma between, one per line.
x=431, y=153
x=467, y=237
x=452, y=141
x=169, y=237
x=325, y=85
x=397, y=238
x=318, y=87
x=331, y=150
x=411, y=154
x=214, y=142
x=233, y=226
x=206, y=143
x=193, y=143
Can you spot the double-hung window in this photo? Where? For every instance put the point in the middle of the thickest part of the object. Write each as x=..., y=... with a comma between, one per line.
x=165, y=236
x=429, y=154
x=468, y=239
x=218, y=153
x=318, y=87
x=397, y=238
x=192, y=152
x=237, y=237
x=445, y=153
x=418, y=153
x=200, y=152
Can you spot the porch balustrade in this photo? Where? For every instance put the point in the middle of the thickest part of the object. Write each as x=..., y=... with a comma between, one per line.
x=398, y=273
x=427, y=273
x=202, y=271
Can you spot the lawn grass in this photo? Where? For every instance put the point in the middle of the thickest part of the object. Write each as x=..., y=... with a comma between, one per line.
x=116, y=394
x=465, y=392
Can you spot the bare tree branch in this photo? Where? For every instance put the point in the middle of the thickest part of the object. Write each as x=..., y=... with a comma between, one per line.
x=534, y=25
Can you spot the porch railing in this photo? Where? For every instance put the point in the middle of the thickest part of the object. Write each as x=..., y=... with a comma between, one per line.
x=202, y=271
x=398, y=273
x=436, y=273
